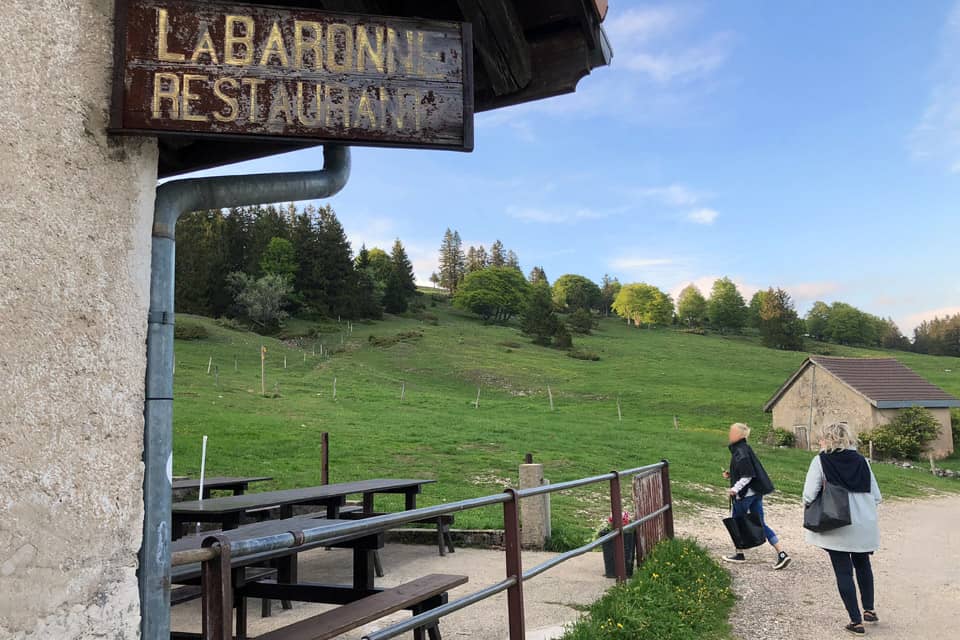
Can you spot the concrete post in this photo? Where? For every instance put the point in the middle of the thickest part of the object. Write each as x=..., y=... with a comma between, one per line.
x=534, y=511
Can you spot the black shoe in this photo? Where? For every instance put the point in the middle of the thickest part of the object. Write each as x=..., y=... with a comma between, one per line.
x=783, y=560
x=870, y=616
x=735, y=558
x=856, y=629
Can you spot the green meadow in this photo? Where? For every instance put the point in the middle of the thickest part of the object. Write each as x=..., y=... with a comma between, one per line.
x=436, y=431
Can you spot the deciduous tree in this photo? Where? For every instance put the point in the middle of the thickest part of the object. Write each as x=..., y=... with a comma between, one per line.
x=691, y=306
x=726, y=307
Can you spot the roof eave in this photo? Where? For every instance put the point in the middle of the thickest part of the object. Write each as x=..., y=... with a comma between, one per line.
x=905, y=404
x=768, y=407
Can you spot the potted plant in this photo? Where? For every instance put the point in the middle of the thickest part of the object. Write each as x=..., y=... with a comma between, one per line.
x=629, y=546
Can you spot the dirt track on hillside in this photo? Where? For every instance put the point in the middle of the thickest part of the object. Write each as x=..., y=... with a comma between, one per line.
x=917, y=573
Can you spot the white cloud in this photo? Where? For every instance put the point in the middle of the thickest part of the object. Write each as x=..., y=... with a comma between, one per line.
x=937, y=135
x=556, y=216
x=810, y=291
x=676, y=195
x=662, y=70
x=645, y=41
x=703, y=216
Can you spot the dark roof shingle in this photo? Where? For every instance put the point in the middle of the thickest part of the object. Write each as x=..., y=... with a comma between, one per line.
x=885, y=382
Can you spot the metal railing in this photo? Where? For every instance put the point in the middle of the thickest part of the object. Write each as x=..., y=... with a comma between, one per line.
x=217, y=550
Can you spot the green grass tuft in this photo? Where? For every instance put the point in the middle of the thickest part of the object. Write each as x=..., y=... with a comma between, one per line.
x=679, y=593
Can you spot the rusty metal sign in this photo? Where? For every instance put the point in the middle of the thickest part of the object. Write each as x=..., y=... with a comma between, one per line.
x=207, y=69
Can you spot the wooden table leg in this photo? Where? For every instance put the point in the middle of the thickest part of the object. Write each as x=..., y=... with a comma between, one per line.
x=287, y=574
x=368, y=502
x=410, y=499
x=363, y=569
x=240, y=603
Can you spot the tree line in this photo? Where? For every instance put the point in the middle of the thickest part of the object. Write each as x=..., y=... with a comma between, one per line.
x=265, y=262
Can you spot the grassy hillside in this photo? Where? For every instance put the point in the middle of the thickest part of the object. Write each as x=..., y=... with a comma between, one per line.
x=436, y=432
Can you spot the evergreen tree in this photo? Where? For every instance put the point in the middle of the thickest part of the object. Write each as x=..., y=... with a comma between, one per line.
x=513, y=260
x=476, y=259
x=539, y=320
x=335, y=272
x=537, y=275
x=780, y=326
x=403, y=267
x=362, y=262
x=451, y=261
x=498, y=256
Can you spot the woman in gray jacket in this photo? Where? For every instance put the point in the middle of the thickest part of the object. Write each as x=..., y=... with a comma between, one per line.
x=850, y=547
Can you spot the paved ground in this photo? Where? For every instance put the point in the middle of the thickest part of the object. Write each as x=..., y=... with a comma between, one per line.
x=550, y=598
x=917, y=573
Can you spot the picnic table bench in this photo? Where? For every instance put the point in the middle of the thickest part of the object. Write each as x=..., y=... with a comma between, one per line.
x=227, y=511
x=362, y=602
x=219, y=483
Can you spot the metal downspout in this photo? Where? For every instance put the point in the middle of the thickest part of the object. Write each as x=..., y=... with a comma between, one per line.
x=172, y=200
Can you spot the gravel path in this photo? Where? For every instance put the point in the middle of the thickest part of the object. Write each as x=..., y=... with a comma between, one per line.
x=917, y=573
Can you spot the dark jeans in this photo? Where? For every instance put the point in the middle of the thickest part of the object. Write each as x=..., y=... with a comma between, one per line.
x=754, y=504
x=844, y=565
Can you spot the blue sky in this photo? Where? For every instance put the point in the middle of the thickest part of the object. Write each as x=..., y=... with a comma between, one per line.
x=813, y=146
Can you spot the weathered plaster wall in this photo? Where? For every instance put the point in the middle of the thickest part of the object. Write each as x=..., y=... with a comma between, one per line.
x=943, y=445
x=75, y=217
x=833, y=402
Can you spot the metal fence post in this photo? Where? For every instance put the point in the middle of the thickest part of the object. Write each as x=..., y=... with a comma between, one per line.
x=616, y=514
x=667, y=498
x=511, y=539
x=217, y=592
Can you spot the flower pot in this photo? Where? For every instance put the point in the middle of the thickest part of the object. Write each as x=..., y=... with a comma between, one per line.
x=629, y=549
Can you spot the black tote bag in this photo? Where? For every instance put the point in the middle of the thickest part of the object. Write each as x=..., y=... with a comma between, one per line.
x=830, y=510
x=746, y=531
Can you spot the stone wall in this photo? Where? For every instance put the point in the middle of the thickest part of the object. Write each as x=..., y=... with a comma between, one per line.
x=833, y=402
x=75, y=215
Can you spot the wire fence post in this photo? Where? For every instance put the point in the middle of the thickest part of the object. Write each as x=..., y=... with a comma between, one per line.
x=325, y=458
x=616, y=520
x=217, y=595
x=511, y=539
x=667, y=498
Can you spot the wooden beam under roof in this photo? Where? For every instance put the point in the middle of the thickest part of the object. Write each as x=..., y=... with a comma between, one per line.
x=499, y=43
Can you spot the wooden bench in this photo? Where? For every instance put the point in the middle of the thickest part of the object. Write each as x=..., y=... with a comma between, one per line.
x=418, y=595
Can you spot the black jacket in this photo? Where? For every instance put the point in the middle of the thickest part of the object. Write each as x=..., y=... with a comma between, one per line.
x=745, y=464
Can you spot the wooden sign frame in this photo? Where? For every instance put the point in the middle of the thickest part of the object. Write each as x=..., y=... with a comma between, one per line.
x=254, y=72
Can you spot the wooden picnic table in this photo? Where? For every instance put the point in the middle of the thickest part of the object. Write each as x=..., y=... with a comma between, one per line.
x=220, y=483
x=226, y=511
x=287, y=586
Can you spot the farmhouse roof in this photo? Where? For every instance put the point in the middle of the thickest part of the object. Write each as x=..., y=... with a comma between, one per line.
x=885, y=382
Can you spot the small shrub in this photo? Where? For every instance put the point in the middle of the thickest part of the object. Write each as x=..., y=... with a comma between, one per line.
x=429, y=318
x=189, y=331
x=697, y=331
x=581, y=321
x=583, y=354
x=820, y=349
x=783, y=438
x=679, y=593
x=510, y=344
x=906, y=436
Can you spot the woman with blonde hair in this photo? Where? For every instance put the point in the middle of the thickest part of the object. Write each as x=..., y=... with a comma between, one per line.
x=850, y=546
